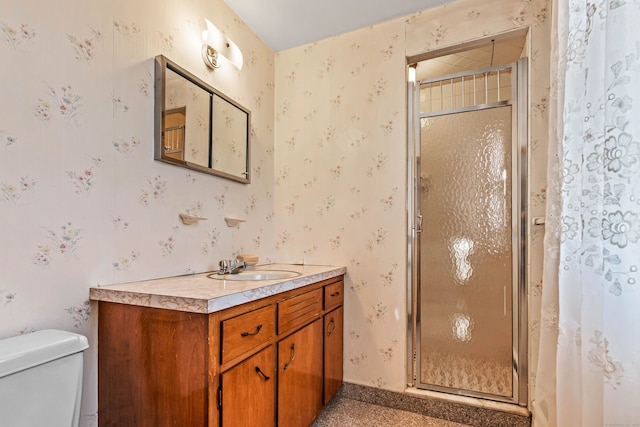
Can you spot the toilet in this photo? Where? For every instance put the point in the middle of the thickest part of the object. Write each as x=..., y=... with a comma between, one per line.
x=41, y=379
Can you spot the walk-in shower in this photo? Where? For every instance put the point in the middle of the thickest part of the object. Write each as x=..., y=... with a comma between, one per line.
x=468, y=179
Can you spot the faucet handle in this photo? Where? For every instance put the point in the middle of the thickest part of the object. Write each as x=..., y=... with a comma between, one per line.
x=224, y=264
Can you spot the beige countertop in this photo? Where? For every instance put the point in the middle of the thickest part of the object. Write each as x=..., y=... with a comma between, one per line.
x=198, y=293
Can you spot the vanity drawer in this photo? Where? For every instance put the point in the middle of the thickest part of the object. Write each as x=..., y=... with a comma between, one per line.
x=298, y=310
x=333, y=295
x=242, y=333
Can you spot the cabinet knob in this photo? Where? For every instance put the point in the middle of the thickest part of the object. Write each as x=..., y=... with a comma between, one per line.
x=246, y=334
x=331, y=326
x=266, y=377
x=293, y=356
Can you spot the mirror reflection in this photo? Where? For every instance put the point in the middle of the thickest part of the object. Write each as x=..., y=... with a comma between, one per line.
x=198, y=127
x=229, y=137
x=186, y=122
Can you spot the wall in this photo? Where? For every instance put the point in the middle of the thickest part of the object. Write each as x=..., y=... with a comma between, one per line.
x=83, y=204
x=341, y=164
x=82, y=201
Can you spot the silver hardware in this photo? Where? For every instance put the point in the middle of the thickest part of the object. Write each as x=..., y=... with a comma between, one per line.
x=232, y=266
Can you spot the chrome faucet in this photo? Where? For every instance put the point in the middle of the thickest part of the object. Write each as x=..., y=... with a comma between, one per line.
x=231, y=266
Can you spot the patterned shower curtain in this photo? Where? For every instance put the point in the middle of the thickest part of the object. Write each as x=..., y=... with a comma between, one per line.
x=589, y=362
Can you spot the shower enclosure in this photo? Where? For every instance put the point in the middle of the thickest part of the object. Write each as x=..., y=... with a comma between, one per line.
x=468, y=233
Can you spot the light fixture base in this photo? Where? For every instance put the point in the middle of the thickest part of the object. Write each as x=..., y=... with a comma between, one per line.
x=210, y=57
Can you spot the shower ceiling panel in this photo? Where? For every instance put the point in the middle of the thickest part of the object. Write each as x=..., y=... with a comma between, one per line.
x=503, y=52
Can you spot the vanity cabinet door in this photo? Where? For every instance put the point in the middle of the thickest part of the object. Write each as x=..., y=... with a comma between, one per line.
x=247, y=392
x=300, y=376
x=333, y=295
x=333, y=343
x=246, y=332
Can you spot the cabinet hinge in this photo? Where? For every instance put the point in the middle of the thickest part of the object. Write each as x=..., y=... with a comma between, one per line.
x=219, y=397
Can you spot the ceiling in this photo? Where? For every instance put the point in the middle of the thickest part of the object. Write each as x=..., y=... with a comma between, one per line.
x=283, y=24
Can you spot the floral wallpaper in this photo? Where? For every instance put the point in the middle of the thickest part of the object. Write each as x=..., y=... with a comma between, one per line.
x=340, y=171
x=82, y=201
x=340, y=183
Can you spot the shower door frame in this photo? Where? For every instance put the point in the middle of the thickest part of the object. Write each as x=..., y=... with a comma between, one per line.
x=519, y=105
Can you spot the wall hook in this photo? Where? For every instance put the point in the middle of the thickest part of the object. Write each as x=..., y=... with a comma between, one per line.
x=234, y=222
x=191, y=219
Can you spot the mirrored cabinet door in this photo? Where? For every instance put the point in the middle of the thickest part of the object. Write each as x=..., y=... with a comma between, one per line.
x=230, y=128
x=198, y=127
x=185, y=131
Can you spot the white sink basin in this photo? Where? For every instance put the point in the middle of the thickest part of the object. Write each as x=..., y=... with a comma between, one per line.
x=256, y=275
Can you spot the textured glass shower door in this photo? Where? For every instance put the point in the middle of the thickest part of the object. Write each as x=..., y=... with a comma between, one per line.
x=466, y=253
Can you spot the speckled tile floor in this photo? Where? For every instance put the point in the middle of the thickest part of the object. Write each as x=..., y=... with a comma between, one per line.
x=344, y=412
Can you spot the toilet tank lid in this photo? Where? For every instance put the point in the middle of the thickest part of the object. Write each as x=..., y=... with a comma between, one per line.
x=26, y=351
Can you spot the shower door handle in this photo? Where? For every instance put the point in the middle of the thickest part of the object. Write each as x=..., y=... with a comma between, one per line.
x=419, y=223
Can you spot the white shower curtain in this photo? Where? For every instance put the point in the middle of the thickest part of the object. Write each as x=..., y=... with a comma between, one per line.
x=589, y=356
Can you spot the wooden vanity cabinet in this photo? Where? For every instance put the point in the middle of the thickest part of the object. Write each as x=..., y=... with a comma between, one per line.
x=333, y=338
x=300, y=376
x=333, y=347
x=153, y=367
x=273, y=361
x=245, y=333
x=249, y=397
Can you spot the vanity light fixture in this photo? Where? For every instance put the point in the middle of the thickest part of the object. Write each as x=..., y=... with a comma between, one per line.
x=217, y=48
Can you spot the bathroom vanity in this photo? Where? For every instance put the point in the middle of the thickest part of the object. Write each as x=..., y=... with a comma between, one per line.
x=200, y=351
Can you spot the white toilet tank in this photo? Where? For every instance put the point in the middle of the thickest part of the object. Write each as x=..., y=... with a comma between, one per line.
x=41, y=379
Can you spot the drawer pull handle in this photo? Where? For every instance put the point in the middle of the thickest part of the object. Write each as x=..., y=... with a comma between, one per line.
x=266, y=377
x=331, y=327
x=335, y=294
x=293, y=356
x=246, y=334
